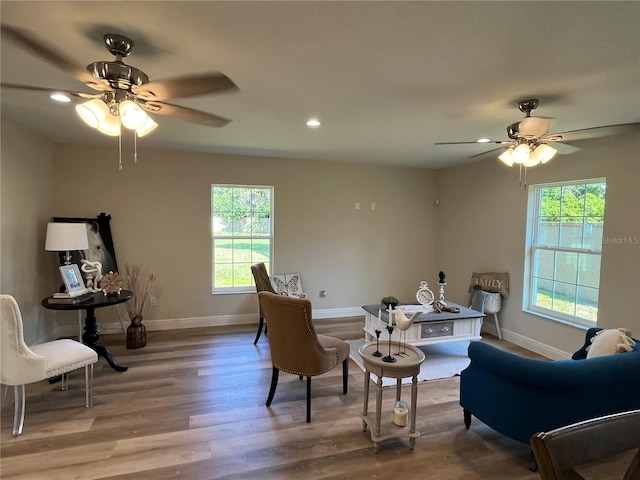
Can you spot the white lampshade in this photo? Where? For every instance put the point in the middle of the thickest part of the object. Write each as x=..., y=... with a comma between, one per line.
x=110, y=126
x=62, y=236
x=148, y=127
x=131, y=115
x=521, y=153
x=543, y=153
x=93, y=112
x=507, y=157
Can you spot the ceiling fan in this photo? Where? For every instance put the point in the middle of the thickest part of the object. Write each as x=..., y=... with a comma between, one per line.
x=529, y=140
x=120, y=85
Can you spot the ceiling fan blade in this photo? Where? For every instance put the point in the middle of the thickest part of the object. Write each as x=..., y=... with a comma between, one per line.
x=183, y=87
x=51, y=90
x=46, y=52
x=487, y=152
x=496, y=142
x=184, y=113
x=565, y=148
x=594, y=132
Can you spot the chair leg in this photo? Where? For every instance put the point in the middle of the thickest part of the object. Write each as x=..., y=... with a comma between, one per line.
x=274, y=384
x=88, y=385
x=533, y=464
x=495, y=316
x=308, y=399
x=345, y=375
x=259, y=330
x=18, y=412
x=65, y=382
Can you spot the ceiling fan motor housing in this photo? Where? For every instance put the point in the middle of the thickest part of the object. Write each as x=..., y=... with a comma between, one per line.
x=118, y=75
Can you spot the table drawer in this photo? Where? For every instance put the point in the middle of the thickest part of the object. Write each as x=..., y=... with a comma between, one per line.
x=439, y=329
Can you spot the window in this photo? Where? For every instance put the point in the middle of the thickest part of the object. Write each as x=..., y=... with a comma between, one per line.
x=241, y=235
x=564, y=245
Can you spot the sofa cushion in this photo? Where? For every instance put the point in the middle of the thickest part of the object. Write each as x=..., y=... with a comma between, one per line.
x=610, y=342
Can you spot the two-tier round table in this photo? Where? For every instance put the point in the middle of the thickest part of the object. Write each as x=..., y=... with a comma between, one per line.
x=406, y=365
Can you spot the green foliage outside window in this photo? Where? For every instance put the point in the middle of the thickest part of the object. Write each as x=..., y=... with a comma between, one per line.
x=241, y=234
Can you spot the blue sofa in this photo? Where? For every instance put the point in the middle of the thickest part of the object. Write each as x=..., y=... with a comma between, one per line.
x=520, y=396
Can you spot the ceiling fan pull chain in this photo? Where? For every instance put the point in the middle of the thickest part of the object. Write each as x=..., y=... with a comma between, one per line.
x=520, y=175
x=135, y=147
x=120, y=152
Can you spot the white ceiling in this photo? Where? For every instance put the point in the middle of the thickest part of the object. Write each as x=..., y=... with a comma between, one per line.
x=388, y=79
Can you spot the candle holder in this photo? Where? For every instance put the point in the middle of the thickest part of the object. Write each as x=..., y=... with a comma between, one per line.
x=377, y=353
x=441, y=296
x=389, y=358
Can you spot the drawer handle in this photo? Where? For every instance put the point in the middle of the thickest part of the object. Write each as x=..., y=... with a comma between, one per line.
x=429, y=330
x=445, y=329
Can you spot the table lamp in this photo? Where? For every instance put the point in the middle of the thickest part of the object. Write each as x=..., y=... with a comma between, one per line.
x=64, y=237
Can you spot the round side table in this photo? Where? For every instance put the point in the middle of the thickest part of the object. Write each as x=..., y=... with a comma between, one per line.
x=406, y=365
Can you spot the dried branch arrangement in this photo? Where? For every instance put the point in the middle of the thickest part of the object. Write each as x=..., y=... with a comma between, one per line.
x=139, y=280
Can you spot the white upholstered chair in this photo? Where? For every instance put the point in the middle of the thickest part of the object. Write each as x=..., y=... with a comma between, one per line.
x=21, y=364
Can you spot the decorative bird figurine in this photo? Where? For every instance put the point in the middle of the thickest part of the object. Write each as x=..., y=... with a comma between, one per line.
x=404, y=323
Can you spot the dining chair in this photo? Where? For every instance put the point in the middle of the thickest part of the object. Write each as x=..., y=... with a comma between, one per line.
x=296, y=347
x=21, y=364
x=263, y=284
x=558, y=451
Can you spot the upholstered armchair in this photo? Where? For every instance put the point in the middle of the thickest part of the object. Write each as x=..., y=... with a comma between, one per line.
x=296, y=347
x=263, y=284
x=20, y=364
x=519, y=396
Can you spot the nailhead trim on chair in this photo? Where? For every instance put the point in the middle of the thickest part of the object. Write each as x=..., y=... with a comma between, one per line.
x=68, y=368
x=318, y=346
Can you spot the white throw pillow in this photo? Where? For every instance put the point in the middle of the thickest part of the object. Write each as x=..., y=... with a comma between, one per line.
x=610, y=342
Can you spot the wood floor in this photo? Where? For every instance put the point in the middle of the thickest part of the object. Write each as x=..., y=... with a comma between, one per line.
x=192, y=406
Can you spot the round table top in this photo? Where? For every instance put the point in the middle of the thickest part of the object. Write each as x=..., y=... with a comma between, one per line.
x=406, y=365
x=98, y=300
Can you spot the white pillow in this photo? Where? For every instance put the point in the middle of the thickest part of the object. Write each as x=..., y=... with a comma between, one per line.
x=610, y=342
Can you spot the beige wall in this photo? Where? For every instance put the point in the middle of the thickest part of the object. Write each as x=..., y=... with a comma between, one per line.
x=25, y=202
x=483, y=226
x=161, y=209
x=161, y=217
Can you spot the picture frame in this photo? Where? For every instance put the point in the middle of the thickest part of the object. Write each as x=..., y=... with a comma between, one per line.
x=72, y=279
x=101, y=247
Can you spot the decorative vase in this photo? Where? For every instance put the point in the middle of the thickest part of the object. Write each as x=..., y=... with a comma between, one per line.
x=136, y=334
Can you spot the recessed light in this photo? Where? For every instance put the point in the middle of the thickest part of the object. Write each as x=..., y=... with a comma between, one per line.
x=60, y=97
x=483, y=140
x=313, y=123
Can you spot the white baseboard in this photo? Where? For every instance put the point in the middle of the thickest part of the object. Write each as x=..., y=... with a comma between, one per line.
x=214, y=321
x=533, y=345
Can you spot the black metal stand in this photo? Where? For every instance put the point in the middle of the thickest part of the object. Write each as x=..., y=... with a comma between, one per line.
x=389, y=358
x=377, y=353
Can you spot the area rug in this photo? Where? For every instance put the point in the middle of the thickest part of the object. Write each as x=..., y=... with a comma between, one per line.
x=442, y=360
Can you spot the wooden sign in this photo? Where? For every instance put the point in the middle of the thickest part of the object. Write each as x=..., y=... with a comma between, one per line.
x=497, y=282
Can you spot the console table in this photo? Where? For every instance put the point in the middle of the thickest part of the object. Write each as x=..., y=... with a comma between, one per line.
x=406, y=365
x=430, y=327
x=91, y=333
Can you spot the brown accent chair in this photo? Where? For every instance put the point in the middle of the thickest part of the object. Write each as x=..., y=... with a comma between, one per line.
x=263, y=284
x=295, y=346
x=561, y=449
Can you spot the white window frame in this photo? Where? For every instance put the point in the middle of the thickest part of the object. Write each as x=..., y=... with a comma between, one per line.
x=533, y=245
x=226, y=236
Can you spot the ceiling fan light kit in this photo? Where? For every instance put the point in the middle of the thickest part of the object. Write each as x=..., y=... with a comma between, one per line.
x=525, y=156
